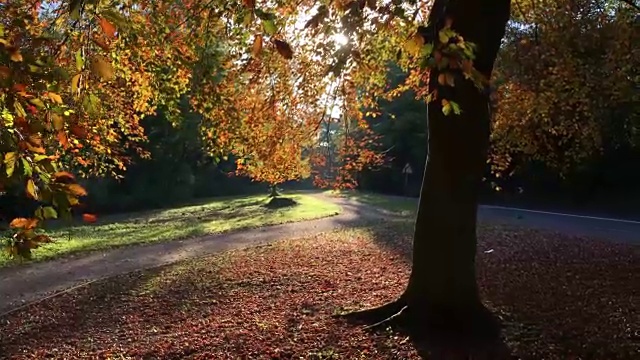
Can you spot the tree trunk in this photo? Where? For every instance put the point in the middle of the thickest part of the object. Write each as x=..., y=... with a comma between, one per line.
x=442, y=287
x=273, y=191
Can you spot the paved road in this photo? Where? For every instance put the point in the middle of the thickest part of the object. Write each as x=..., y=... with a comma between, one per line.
x=618, y=230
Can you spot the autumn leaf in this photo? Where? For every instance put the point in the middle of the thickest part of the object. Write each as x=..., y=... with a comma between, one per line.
x=55, y=97
x=62, y=139
x=283, y=49
x=108, y=28
x=23, y=223
x=101, y=67
x=31, y=189
x=249, y=4
x=5, y=72
x=15, y=55
x=10, y=159
x=77, y=190
x=89, y=218
x=64, y=177
x=78, y=131
x=414, y=44
x=58, y=121
x=257, y=46
x=75, y=80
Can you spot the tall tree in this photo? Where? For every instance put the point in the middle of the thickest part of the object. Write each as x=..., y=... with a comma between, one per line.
x=442, y=293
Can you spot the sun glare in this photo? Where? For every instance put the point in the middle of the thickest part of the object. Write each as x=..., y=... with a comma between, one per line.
x=340, y=39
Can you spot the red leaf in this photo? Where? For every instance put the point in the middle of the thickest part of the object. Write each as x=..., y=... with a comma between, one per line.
x=89, y=218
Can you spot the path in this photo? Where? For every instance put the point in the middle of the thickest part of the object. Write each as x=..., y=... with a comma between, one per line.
x=603, y=228
x=22, y=284
x=19, y=285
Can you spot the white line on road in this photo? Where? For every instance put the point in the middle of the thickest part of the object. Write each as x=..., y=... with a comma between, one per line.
x=561, y=214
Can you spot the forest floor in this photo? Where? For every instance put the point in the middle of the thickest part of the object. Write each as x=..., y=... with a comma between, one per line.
x=559, y=298
x=195, y=220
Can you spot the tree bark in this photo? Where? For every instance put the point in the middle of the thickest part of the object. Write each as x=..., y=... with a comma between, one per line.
x=442, y=287
x=273, y=191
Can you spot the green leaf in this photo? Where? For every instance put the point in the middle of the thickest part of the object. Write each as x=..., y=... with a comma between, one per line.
x=446, y=107
x=79, y=60
x=74, y=9
x=456, y=108
x=10, y=159
x=37, y=103
x=26, y=167
x=426, y=50
x=263, y=15
x=269, y=27
x=49, y=212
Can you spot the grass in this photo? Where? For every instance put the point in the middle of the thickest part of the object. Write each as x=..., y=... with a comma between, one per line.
x=213, y=216
x=559, y=298
x=398, y=205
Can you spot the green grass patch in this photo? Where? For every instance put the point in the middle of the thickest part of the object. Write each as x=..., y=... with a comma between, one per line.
x=206, y=217
x=396, y=204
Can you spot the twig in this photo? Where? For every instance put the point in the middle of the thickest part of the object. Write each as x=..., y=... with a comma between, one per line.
x=387, y=319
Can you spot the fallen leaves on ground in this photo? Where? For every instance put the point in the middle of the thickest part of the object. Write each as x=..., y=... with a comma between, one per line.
x=559, y=297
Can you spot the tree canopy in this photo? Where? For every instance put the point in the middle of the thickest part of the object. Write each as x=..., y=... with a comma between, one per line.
x=78, y=76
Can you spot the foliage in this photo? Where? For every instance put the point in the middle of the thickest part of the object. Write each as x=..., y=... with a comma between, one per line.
x=215, y=307
x=79, y=75
x=569, y=84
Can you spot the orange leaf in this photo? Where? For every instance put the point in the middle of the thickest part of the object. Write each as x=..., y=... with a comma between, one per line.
x=101, y=44
x=257, y=45
x=107, y=28
x=23, y=223
x=15, y=55
x=77, y=190
x=5, y=72
x=78, y=131
x=62, y=138
x=64, y=177
x=89, y=218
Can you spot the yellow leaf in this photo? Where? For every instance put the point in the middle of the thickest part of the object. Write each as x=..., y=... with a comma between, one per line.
x=31, y=189
x=58, y=121
x=74, y=84
x=414, y=44
x=102, y=68
x=55, y=97
x=257, y=45
x=10, y=159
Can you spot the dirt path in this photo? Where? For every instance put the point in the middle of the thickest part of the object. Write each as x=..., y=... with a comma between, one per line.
x=23, y=284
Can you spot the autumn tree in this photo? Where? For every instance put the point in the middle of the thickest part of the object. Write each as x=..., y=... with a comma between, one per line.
x=569, y=84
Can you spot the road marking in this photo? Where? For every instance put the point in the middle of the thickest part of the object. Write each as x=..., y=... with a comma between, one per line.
x=561, y=214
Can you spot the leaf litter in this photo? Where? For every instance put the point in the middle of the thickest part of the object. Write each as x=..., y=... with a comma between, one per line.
x=559, y=298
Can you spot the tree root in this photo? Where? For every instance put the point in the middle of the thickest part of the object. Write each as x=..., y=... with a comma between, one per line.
x=376, y=314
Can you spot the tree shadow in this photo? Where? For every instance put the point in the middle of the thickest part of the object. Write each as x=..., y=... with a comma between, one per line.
x=149, y=299
x=393, y=234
